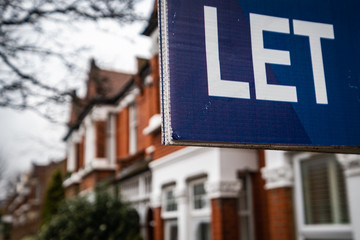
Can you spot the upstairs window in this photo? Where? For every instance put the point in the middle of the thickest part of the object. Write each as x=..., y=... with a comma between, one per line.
x=198, y=195
x=170, y=200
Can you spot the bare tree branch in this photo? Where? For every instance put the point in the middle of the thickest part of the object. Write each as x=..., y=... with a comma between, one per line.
x=21, y=44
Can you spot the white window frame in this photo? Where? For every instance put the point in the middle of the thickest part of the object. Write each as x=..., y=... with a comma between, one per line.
x=197, y=216
x=195, y=222
x=202, y=211
x=164, y=212
x=317, y=231
x=249, y=213
x=168, y=224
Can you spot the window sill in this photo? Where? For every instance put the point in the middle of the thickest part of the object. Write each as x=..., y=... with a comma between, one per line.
x=200, y=212
x=336, y=231
x=168, y=215
x=154, y=124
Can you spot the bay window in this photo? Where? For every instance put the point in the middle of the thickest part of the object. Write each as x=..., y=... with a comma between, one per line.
x=321, y=202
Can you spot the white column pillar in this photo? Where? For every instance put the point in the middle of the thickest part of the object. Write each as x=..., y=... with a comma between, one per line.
x=182, y=201
x=223, y=189
x=89, y=141
x=351, y=164
x=278, y=171
x=111, y=148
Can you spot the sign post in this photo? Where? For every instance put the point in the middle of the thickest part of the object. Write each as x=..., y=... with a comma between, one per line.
x=258, y=73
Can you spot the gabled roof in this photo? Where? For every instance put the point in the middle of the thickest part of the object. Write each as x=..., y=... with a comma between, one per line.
x=105, y=84
x=77, y=107
x=103, y=87
x=152, y=22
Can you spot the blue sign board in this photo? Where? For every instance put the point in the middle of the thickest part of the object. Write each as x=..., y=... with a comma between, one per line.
x=261, y=73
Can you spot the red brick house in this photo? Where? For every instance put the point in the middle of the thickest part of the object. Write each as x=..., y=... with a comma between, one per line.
x=191, y=193
x=23, y=208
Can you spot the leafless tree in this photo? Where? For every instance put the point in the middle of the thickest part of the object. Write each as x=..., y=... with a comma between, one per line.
x=22, y=26
x=2, y=167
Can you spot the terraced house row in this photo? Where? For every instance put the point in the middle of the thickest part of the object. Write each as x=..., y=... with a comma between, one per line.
x=198, y=193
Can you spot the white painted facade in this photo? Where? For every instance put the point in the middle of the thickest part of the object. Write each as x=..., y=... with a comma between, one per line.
x=179, y=171
x=91, y=162
x=136, y=190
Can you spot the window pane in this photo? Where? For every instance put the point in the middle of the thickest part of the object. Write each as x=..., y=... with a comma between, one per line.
x=171, y=204
x=243, y=195
x=173, y=232
x=199, y=196
x=244, y=228
x=204, y=231
x=324, y=191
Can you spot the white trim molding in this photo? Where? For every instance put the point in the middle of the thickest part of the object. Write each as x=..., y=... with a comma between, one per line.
x=73, y=179
x=155, y=201
x=98, y=164
x=149, y=150
x=100, y=113
x=126, y=101
x=180, y=195
x=350, y=163
x=223, y=189
x=278, y=172
x=279, y=177
x=154, y=124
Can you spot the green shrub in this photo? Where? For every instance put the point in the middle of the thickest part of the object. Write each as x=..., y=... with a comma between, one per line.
x=104, y=218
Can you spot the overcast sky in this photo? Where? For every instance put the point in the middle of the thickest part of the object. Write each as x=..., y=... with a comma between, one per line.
x=24, y=136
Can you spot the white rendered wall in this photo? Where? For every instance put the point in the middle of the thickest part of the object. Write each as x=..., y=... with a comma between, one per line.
x=275, y=159
x=111, y=139
x=73, y=139
x=89, y=140
x=70, y=165
x=353, y=183
x=219, y=165
x=351, y=165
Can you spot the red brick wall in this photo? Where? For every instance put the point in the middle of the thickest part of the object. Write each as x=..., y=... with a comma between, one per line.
x=260, y=202
x=77, y=157
x=143, y=115
x=72, y=191
x=224, y=219
x=154, y=64
x=88, y=182
x=80, y=154
x=100, y=139
x=122, y=133
x=148, y=104
x=281, y=221
x=93, y=178
x=159, y=224
x=162, y=150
